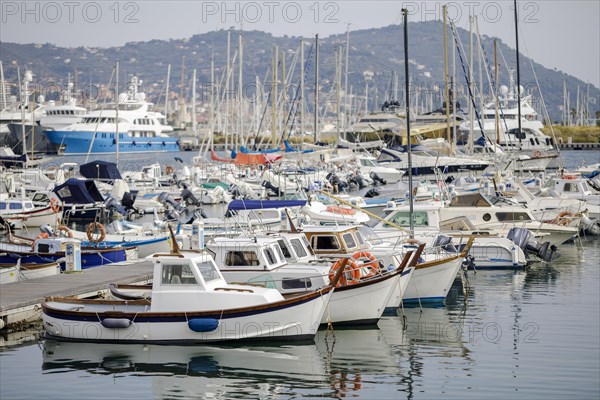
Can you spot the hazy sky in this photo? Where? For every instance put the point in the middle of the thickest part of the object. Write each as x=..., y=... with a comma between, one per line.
x=559, y=34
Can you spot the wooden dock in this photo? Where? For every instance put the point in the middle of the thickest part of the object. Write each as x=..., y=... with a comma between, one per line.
x=20, y=302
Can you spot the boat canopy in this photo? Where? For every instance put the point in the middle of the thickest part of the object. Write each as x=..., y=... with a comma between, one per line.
x=236, y=205
x=78, y=191
x=100, y=170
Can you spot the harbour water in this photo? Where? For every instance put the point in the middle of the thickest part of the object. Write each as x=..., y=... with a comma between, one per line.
x=524, y=334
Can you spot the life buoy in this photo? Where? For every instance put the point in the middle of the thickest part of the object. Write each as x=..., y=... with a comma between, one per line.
x=537, y=154
x=42, y=235
x=91, y=230
x=368, y=260
x=563, y=218
x=66, y=231
x=350, y=276
x=569, y=177
x=54, y=205
x=341, y=210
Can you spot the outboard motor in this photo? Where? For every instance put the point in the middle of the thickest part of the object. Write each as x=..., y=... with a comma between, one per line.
x=449, y=179
x=357, y=180
x=128, y=200
x=189, y=197
x=234, y=191
x=166, y=198
x=269, y=186
x=524, y=239
x=112, y=204
x=188, y=218
x=47, y=229
x=377, y=179
x=372, y=193
x=445, y=242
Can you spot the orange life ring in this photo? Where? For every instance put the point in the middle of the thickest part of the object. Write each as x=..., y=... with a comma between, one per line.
x=372, y=262
x=91, y=229
x=42, y=235
x=66, y=230
x=341, y=210
x=350, y=276
x=537, y=154
x=54, y=205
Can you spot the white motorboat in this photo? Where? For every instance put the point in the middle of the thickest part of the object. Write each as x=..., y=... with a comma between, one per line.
x=191, y=303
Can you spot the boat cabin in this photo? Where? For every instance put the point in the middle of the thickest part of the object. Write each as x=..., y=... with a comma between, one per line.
x=15, y=206
x=570, y=187
x=192, y=282
x=261, y=260
x=335, y=240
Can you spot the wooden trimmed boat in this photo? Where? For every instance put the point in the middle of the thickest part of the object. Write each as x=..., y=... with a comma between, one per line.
x=191, y=303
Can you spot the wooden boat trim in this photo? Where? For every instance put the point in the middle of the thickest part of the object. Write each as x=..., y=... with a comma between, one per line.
x=182, y=315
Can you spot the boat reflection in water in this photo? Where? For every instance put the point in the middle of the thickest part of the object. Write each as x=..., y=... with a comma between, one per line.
x=194, y=371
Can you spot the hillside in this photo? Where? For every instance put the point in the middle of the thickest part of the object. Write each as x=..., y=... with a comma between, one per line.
x=379, y=50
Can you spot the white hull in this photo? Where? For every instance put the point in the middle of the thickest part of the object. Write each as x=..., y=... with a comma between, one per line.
x=360, y=304
x=432, y=283
x=299, y=321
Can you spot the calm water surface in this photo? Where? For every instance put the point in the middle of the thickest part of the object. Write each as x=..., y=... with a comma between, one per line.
x=526, y=334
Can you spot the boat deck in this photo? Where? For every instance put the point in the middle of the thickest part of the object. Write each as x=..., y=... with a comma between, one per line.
x=20, y=302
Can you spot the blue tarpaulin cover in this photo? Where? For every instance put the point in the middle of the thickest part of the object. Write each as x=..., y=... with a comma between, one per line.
x=100, y=170
x=262, y=204
x=78, y=191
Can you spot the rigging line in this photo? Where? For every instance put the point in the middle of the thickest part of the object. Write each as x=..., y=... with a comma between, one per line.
x=547, y=115
x=456, y=40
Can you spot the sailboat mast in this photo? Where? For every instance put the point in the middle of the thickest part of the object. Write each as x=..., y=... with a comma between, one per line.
x=346, y=111
x=406, y=78
x=316, y=133
x=167, y=92
x=117, y=114
x=518, y=72
x=3, y=85
x=447, y=99
x=301, y=116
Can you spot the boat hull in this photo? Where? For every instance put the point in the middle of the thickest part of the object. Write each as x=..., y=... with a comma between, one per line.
x=280, y=321
x=431, y=281
x=82, y=142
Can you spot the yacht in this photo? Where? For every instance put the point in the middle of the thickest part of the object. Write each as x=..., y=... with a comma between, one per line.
x=63, y=115
x=131, y=122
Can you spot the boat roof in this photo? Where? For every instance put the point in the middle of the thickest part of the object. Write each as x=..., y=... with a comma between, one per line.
x=327, y=228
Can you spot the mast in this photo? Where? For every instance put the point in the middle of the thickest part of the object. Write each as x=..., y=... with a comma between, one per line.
x=338, y=78
x=283, y=94
x=471, y=103
x=212, y=99
x=240, y=83
x=497, y=102
x=518, y=72
x=407, y=80
x=447, y=99
x=117, y=114
x=227, y=80
x=167, y=92
x=3, y=85
x=194, y=124
x=346, y=111
x=302, y=90
x=316, y=133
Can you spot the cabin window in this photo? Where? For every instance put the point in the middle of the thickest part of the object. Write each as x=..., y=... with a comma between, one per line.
x=298, y=248
x=2, y=206
x=15, y=206
x=293, y=283
x=350, y=242
x=570, y=187
x=270, y=256
x=279, y=253
x=359, y=237
x=512, y=216
x=325, y=243
x=241, y=259
x=284, y=249
x=41, y=197
x=28, y=205
x=178, y=275
x=208, y=271
x=402, y=218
